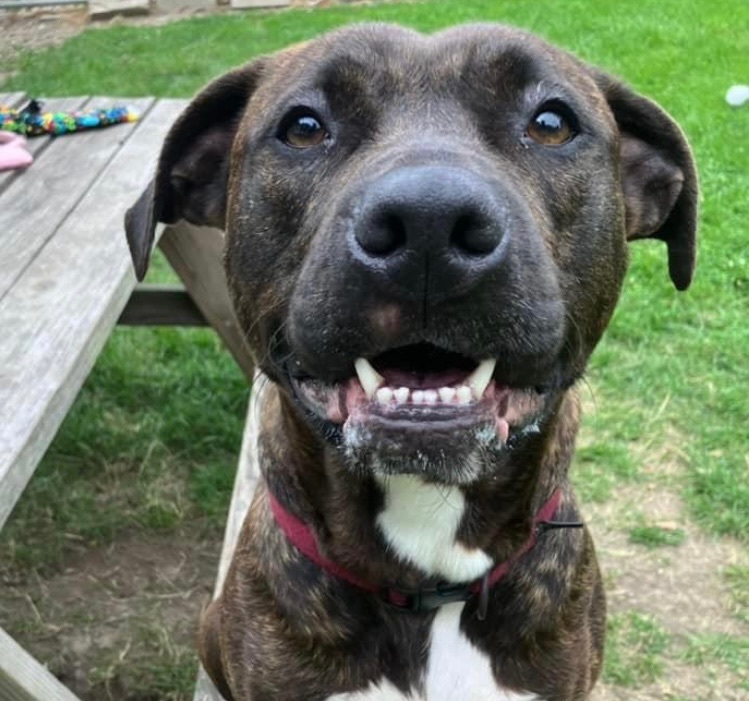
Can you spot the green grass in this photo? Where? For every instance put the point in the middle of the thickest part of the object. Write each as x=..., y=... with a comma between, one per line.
x=657, y=536
x=737, y=579
x=712, y=652
x=635, y=646
x=601, y=466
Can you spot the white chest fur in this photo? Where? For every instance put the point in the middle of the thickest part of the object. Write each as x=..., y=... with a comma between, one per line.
x=456, y=670
x=420, y=522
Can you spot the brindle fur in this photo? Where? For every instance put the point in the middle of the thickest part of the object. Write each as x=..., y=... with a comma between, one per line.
x=283, y=628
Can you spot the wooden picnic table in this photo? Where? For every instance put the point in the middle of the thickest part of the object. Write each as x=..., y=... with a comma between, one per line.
x=66, y=280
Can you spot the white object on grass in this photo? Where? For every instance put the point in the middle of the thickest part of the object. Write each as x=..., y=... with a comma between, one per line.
x=737, y=95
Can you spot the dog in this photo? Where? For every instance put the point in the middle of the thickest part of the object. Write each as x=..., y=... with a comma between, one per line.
x=426, y=238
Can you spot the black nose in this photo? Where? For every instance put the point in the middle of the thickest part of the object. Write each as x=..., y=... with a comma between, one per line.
x=433, y=229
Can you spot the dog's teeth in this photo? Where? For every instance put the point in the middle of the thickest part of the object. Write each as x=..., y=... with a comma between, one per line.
x=463, y=394
x=401, y=395
x=447, y=394
x=369, y=378
x=417, y=396
x=384, y=395
x=430, y=396
x=480, y=377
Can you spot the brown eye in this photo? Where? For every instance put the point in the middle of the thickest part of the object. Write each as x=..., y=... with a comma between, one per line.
x=550, y=128
x=303, y=131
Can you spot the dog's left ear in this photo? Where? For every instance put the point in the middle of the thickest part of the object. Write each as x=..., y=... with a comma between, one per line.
x=658, y=177
x=193, y=168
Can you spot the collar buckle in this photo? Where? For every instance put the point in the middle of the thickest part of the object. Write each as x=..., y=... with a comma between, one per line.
x=420, y=600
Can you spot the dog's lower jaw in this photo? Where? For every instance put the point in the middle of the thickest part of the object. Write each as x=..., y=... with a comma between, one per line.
x=452, y=443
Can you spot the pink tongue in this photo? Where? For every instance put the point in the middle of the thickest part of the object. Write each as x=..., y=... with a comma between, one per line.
x=432, y=380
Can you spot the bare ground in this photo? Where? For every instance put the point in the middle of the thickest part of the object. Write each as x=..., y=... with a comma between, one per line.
x=682, y=588
x=30, y=30
x=115, y=614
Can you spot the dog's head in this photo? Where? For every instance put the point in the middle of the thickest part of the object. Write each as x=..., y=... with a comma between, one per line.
x=426, y=236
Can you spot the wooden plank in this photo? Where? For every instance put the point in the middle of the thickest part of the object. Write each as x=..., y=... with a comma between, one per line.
x=57, y=316
x=106, y=9
x=38, y=144
x=245, y=483
x=27, y=4
x=196, y=253
x=161, y=305
x=22, y=678
x=35, y=204
x=12, y=99
x=251, y=4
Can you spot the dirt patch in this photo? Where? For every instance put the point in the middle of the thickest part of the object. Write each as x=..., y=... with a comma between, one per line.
x=682, y=588
x=31, y=30
x=117, y=619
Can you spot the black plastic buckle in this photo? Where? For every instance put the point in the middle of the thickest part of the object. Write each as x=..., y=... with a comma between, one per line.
x=430, y=599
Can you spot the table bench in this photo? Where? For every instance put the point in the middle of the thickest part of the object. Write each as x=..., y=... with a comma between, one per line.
x=65, y=281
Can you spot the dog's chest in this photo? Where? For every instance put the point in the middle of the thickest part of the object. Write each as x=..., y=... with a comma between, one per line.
x=456, y=670
x=420, y=523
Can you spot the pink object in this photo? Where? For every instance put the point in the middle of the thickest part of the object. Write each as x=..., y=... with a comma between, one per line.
x=13, y=152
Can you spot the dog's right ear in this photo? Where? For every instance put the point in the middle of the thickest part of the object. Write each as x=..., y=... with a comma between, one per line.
x=193, y=168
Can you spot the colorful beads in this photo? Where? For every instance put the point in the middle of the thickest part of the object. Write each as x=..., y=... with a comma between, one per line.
x=31, y=121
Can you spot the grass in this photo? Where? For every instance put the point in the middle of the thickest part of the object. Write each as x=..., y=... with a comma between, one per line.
x=635, y=646
x=737, y=579
x=657, y=536
x=713, y=651
x=152, y=440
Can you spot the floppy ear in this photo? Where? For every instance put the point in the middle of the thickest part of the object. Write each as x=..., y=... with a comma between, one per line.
x=193, y=168
x=658, y=177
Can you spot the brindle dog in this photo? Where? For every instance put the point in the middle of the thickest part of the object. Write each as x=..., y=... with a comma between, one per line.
x=426, y=238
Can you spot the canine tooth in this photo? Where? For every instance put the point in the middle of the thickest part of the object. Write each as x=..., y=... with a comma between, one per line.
x=401, y=395
x=481, y=376
x=447, y=394
x=463, y=394
x=417, y=396
x=384, y=395
x=369, y=378
x=430, y=396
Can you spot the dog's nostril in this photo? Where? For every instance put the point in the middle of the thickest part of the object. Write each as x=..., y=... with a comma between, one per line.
x=384, y=236
x=474, y=236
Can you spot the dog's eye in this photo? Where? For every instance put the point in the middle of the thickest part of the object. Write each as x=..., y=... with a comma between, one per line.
x=550, y=128
x=302, y=130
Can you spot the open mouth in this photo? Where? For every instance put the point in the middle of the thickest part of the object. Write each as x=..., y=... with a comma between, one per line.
x=422, y=388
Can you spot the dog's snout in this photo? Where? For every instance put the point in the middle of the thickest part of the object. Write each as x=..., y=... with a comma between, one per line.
x=444, y=222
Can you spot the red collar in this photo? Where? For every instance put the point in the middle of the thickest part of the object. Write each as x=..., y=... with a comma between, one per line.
x=303, y=539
